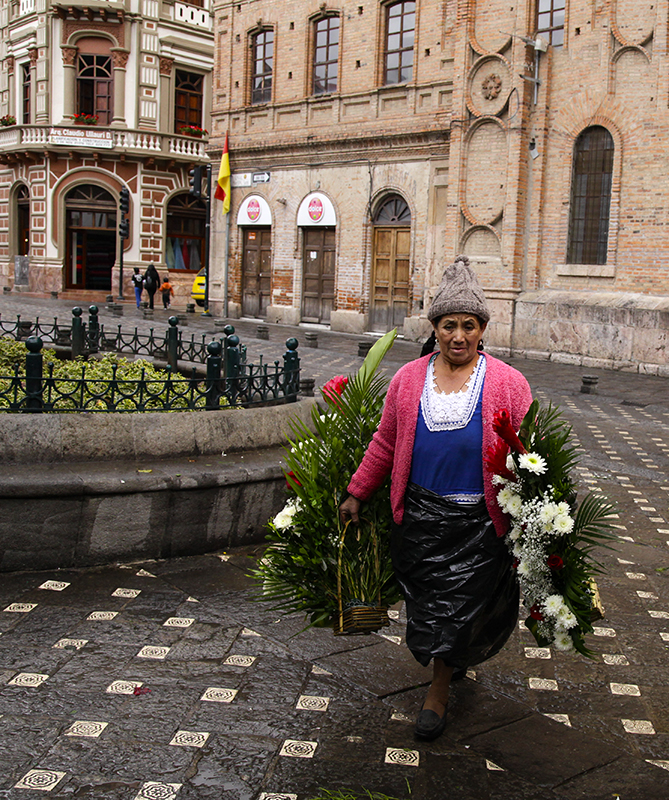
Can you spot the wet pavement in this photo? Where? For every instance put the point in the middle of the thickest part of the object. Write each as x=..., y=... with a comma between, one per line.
x=164, y=679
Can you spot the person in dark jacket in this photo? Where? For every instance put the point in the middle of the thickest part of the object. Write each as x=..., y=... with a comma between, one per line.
x=138, y=285
x=151, y=282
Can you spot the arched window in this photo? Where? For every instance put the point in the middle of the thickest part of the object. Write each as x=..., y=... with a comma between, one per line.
x=184, y=245
x=95, y=79
x=400, y=33
x=326, y=55
x=262, y=67
x=393, y=211
x=23, y=220
x=189, y=89
x=590, y=197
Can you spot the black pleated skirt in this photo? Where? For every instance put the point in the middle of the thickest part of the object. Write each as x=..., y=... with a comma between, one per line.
x=457, y=578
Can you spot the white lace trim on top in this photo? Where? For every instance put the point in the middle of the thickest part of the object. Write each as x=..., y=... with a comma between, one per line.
x=449, y=412
x=464, y=499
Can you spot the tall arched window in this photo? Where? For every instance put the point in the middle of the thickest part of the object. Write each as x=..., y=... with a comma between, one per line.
x=262, y=67
x=23, y=220
x=400, y=34
x=188, y=94
x=590, y=197
x=95, y=79
x=326, y=55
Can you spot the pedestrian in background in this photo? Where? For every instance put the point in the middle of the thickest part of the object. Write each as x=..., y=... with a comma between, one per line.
x=167, y=292
x=138, y=284
x=450, y=559
x=151, y=282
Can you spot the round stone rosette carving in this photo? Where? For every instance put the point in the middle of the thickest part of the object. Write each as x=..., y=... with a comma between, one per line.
x=489, y=85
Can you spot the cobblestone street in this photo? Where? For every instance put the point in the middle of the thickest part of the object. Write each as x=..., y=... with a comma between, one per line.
x=164, y=679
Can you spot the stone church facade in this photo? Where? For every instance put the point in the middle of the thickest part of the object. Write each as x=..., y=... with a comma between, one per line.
x=371, y=141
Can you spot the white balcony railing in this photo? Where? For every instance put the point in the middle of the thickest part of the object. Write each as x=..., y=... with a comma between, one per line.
x=20, y=137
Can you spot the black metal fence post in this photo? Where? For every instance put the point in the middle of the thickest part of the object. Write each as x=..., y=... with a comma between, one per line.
x=228, y=331
x=232, y=362
x=34, y=402
x=93, y=329
x=77, y=333
x=213, y=375
x=172, y=343
x=291, y=369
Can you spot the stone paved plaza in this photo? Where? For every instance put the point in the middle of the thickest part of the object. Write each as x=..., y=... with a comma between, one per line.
x=164, y=679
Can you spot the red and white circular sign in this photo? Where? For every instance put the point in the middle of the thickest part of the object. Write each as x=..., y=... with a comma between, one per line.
x=315, y=209
x=253, y=209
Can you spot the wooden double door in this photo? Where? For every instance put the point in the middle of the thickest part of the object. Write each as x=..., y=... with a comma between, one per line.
x=256, y=271
x=318, y=276
x=391, y=277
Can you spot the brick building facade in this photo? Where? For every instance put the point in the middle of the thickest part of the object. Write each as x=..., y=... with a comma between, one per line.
x=371, y=141
x=94, y=97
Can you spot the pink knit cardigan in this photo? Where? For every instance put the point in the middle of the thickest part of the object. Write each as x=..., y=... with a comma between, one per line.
x=391, y=448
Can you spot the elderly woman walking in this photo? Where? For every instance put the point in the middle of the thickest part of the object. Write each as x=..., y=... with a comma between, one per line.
x=449, y=558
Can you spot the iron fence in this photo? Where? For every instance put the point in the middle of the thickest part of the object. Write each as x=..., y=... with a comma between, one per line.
x=229, y=379
x=93, y=337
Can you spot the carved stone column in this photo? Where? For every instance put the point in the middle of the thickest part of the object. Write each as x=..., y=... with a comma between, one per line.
x=119, y=61
x=9, y=66
x=69, y=54
x=166, y=94
x=33, y=84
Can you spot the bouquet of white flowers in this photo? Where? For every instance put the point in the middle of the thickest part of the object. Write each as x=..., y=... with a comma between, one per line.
x=552, y=538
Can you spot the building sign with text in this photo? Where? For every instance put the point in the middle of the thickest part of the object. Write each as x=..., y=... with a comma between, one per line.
x=73, y=137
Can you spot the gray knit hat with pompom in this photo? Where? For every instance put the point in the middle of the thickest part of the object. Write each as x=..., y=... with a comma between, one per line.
x=459, y=293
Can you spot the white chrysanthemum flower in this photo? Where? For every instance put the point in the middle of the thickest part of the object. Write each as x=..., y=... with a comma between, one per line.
x=504, y=495
x=565, y=618
x=553, y=605
x=563, y=508
x=498, y=480
x=547, y=513
x=515, y=533
x=563, y=523
x=564, y=642
x=284, y=519
x=533, y=462
x=517, y=550
x=510, y=463
x=514, y=505
x=524, y=569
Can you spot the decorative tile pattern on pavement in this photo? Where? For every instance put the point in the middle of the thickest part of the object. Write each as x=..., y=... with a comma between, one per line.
x=295, y=748
x=44, y=780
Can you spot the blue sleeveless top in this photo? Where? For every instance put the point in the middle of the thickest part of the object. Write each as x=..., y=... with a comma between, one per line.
x=449, y=462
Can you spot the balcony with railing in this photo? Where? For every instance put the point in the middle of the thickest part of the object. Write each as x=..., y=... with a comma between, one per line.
x=17, y=140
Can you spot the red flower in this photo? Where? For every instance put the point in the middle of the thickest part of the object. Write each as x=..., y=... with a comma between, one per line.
x=516, y=561
x=334, y=388
x=501, y=423
x=535, y=613
x=291, y=480
x=554, y=562
x=495, y=460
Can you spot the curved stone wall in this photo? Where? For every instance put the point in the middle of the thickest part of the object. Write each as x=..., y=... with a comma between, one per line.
x=84, y=489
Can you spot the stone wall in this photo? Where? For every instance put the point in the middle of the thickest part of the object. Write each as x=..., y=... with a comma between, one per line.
x=79, y=489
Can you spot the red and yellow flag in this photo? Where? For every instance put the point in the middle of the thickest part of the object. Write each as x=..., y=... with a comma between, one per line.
x=223, y=183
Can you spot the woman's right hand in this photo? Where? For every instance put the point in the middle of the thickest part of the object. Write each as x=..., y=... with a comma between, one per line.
x=349, y=509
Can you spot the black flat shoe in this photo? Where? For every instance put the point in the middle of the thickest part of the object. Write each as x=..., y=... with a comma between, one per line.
x=458, y=675
x=430, y=725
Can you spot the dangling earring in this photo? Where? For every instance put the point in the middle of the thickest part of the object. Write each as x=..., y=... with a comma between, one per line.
x=480, y=347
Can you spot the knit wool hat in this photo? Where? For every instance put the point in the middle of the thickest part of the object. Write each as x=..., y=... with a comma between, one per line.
x=459, y=293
